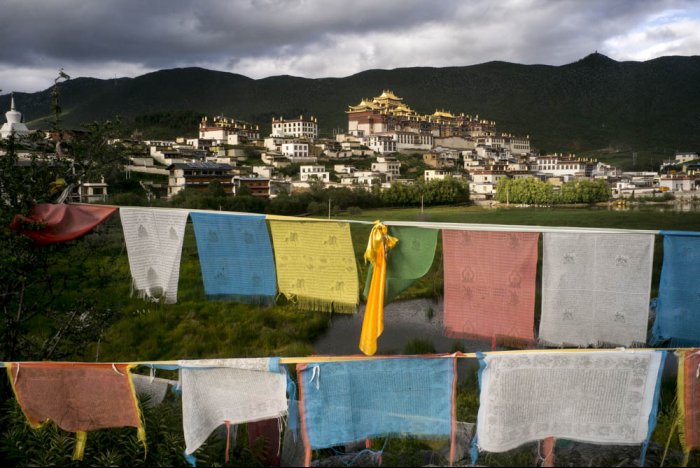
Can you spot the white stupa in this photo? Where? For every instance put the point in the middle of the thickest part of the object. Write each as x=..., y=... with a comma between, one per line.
x=14, y=122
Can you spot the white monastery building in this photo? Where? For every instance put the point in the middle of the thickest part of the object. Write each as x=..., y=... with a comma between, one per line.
x=299, y=128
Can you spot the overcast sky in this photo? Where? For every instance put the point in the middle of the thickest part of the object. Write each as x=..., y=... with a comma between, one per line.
x=324, y=38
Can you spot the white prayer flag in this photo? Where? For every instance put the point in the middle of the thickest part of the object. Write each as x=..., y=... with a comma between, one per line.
x=595, y=288
x=228, y=390
x=154, y=245
x=602, y=397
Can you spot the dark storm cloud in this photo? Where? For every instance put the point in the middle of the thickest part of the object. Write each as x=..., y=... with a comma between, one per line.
x=318, y=38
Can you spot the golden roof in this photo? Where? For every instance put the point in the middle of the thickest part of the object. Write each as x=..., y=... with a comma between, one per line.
x=388, y=94
x=363, y=105
x=442, y=113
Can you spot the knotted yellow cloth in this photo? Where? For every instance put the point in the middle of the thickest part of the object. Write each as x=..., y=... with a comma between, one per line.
x=378, y=246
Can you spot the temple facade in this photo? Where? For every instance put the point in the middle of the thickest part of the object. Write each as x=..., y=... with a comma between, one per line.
x=14, y=122
x=388, y=116
x=388, y=113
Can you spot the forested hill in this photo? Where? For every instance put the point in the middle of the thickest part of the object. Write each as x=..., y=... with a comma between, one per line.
x=593, y=103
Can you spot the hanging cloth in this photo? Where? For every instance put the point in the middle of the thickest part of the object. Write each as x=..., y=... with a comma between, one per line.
x=235, y=255
x=409, y=261
x=490, y=284
x=349, y=401
x=678, y=307
x=154, y=244
x=688, y=401
x=603, y=398
x=78, y=397
x=378, y=247
x=595, y=288
x=219, y=392
x=151, y=390
x=50, y=224
x=316, y=266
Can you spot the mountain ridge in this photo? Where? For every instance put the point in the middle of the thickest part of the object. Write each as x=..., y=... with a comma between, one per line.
x=594, y=102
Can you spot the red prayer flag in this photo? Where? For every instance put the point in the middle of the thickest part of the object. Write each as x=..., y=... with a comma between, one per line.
x=60, y=223
x=490, y=280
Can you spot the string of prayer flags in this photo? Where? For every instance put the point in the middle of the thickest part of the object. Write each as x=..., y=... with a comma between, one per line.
x=678, y=306
x=408, y=261
x=235, y=255
x=688, y=400
x=227, y=392
x=377, y=250
x=602, y=397
x=344, y=402
x=154, y=245
x=78, y=397
x=595, y=288
x=53, y=223
x=490, y=281
x=316, y=266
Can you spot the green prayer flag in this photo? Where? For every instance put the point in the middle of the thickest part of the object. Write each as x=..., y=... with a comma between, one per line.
x=408, y=261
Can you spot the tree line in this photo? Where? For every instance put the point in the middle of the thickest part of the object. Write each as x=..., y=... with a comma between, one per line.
x=316, y=200
x=533, y=191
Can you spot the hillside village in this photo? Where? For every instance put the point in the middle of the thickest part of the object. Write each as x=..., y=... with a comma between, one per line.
x=386, y=142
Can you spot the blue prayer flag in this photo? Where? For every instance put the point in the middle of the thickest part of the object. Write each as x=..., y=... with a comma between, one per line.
x=349, y=401
x=678, y=306
x=235, y=255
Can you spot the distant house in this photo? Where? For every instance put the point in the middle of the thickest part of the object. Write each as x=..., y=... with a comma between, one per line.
x=438, y=174
x=307, y=173
x=92, y=192
x=484, y=181
x=381, y=144
x=677, y=183
x=685, y=157
x=258, y=186
x=389, y=166
x=198, y=175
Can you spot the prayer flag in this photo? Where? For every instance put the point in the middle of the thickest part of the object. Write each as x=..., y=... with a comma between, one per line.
x=490, y=280
x=408, y=261
x=678, y=306
x=349, y=401
x=602, y=397
x=78, y=397
x=219, y=392
x=316, y=264
x=154, y=244
x=50, y=224
x=595, y=288
x=235, y=255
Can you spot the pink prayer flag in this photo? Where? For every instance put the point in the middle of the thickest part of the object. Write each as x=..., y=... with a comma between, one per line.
x=490, y=284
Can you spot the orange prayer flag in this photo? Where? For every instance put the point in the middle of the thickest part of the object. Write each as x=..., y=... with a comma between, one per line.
x=78, y=397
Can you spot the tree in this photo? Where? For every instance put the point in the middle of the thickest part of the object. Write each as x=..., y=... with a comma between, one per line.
x=36, y=321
